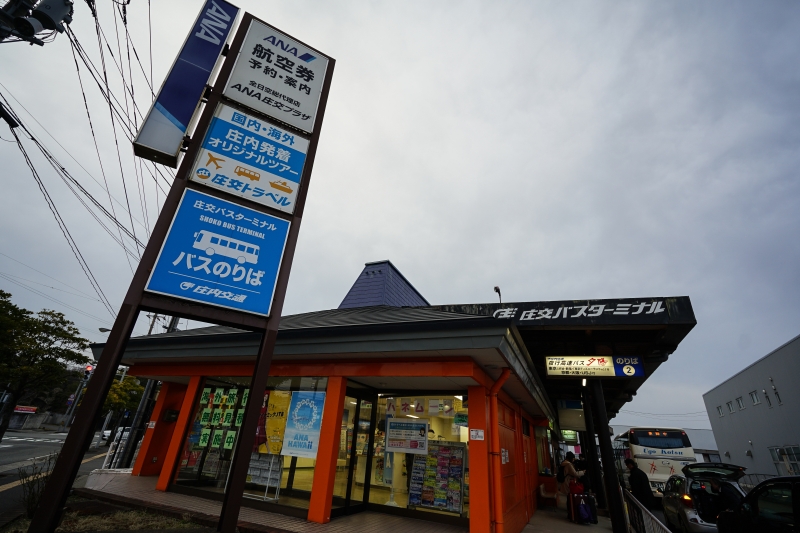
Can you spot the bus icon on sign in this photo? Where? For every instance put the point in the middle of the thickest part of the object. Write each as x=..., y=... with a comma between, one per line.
x=212, y=243
x=247, y=173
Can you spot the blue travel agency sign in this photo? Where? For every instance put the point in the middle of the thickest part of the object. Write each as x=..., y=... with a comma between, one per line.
x=248, y=157
x=220, y=253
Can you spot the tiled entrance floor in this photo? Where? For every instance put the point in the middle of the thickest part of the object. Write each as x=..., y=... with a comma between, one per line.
x=141, y=491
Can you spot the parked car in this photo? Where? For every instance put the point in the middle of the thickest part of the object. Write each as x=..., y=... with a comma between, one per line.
x=690, y=502
x=772, y=506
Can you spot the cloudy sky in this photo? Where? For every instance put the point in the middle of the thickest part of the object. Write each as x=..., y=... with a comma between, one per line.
x=560, y=150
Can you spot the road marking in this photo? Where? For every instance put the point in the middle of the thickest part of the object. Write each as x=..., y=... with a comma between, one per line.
x=18, y=483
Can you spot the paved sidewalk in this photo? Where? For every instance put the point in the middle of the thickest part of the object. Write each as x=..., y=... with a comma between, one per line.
x=140, y=491
x=556, y=522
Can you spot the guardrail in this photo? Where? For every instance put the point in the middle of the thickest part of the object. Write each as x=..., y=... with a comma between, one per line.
x=748, y=481
x=640, y=519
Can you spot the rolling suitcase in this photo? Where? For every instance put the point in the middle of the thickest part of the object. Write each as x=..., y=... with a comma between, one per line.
x=582, y=509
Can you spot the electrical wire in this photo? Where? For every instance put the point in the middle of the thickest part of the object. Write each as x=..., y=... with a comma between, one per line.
x=63, y=227
x=45, y=275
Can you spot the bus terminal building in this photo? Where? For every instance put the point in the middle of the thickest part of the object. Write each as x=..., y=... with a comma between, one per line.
x=448, y=413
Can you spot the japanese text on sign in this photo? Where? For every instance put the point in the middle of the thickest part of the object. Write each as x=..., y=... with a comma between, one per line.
x=278, y=76
x=582, y=366
x=578, y=311
x=220, y=253
x=245, y=156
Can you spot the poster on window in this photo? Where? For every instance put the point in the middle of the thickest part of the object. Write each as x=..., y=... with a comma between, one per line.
x=406, y=436
x=277, y=408
x=303, y=424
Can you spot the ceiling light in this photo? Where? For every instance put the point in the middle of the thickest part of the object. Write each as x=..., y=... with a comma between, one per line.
x=412, y=416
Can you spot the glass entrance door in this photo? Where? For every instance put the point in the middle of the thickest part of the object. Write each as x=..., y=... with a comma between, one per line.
x=354, y=465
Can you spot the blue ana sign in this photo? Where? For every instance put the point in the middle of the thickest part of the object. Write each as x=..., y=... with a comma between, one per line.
x=220, y=253
x=245, y=156
x=162, y=132
x=301, y=436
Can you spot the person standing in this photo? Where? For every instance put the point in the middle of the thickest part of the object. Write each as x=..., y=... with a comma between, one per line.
x=640, y=485
x=568, y=473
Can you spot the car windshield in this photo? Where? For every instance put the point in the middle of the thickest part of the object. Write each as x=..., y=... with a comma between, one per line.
x=712, y=470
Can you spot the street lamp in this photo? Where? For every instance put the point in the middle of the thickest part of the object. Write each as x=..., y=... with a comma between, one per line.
x=104, y=330
x=497, y=290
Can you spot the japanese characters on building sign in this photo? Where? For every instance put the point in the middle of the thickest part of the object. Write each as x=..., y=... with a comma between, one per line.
x=278, y=76
x=577, y=311
x=585, y=366
x=245, y=156
x=222, y=254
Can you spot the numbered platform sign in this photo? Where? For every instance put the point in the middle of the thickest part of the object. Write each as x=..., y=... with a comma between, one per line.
x=222, y=254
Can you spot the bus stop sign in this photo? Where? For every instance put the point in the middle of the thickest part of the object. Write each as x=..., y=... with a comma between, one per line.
x=222, y=254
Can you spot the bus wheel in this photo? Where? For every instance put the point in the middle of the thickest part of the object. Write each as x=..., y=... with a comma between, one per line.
x=240, y=260
x=210, y=251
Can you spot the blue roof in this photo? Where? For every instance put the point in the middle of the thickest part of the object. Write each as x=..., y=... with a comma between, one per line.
x=380, y=283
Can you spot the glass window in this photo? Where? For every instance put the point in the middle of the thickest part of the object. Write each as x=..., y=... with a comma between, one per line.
x=284, y=455
x=740, y=402
x=730, y=407
x=434, y=481
x=754, y=397
x=774, y=508
x=719, y=410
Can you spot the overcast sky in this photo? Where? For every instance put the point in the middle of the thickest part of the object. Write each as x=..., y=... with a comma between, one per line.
x=560, y=150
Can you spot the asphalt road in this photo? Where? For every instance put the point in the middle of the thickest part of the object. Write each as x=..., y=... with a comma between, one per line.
x=17, y=450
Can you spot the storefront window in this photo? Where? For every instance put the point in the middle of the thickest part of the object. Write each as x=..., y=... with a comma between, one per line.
x=430, y=470
x=284, y=453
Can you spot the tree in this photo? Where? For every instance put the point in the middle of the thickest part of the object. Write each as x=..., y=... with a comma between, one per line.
x=35, y=349
x=123, y=396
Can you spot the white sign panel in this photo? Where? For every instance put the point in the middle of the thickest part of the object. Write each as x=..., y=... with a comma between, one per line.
x=278, y=76
x=595, y=366
x=247, y=157
x=475, y=434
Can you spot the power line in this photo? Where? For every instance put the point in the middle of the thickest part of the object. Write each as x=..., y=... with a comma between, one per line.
x=43, y=295
x=48, y=286
x=63, y=227
x=43, y=274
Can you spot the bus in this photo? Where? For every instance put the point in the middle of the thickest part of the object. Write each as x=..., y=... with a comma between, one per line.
x=213, y=243
x=659, y=453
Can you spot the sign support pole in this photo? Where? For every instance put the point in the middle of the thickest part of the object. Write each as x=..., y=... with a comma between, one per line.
x=232, y=501
x=591, y=450
x=613, y=493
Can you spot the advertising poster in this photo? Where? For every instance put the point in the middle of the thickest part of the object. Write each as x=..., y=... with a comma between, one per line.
x=277, y=408
x=246, y=157
x=301, y=437
x=220, y=253
x=406, y=436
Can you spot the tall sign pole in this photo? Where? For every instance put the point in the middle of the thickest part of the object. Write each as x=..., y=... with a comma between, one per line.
x=222, y=248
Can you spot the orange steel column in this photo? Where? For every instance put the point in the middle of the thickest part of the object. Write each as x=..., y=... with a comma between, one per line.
x=148, y=432
x=480, y=514
x=319, y=509
x=494, y=451
x=175, y=445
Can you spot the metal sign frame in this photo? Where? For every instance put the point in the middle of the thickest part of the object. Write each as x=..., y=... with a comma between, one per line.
x=136, y=300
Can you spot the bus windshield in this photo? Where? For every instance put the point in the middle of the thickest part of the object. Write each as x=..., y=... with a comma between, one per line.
x=659, y=438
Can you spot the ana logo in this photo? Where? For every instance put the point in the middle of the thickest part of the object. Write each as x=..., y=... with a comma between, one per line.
x=214, y=23
x=288, y=48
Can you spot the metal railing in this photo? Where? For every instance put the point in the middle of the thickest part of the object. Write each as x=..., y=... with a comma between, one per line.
x=640, y=519
x=748, y=481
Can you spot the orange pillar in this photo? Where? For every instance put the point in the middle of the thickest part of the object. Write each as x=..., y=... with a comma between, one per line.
x=144, y=449
x=319, y=509
x=176, y=443
x=480, y=514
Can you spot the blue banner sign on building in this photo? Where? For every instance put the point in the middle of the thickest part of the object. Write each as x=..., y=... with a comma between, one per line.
x=601, y=366
x=303, y=424
x=248, y=157
x=220, y=253
x=162, y=132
